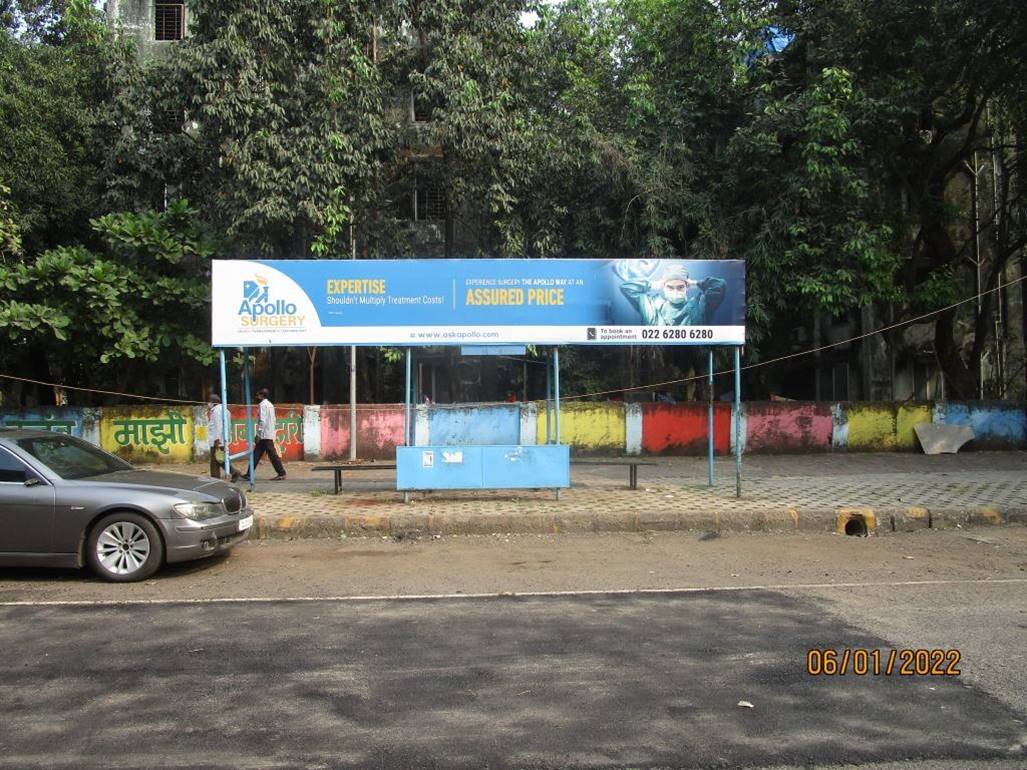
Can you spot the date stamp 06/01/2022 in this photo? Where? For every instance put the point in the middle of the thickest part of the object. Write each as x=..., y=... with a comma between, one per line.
x=864, y=661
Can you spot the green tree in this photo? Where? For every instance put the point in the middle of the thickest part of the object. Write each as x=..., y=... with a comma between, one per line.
x=870, y=122
x=93, y=315
x=10, y=230
x=463, y=65
x=269, y=116
x=54, y=65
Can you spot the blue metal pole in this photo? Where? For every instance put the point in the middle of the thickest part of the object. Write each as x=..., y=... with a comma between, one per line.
x=738, y=421
x=407, y=428
x=709, y=431
x=556, y=389
x=549, y=393
x=249, y=414
x=226, y=416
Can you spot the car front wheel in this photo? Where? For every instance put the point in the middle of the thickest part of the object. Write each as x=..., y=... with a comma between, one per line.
x=124, y=547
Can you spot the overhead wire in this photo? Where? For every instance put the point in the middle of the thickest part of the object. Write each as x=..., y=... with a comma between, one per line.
x=650, y=386
x=809, y=352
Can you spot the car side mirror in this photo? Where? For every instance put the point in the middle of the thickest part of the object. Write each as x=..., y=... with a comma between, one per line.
x=32, y=481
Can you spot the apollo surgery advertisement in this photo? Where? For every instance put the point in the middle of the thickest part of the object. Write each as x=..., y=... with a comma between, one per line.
x=419, y=302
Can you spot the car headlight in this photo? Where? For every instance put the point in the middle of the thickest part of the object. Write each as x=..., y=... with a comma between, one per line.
x=200, y=511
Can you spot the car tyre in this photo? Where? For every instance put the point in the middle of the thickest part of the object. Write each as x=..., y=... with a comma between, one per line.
x=124, y=547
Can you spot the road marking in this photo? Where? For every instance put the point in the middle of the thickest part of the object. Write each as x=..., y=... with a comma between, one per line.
x=508, y=594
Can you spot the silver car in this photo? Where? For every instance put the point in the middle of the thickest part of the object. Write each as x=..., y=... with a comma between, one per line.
x=66, y=503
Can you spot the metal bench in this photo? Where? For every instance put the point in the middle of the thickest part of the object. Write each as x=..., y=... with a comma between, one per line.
x=631, y=463
x=338, y=469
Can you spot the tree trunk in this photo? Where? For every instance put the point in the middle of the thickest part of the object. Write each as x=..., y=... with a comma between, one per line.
x=960, y=381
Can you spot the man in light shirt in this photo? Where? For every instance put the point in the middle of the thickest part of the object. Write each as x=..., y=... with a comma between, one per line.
x=216, y=437
x=265, y=439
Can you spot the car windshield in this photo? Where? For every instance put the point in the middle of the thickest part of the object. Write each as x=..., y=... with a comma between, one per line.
x=71, y=458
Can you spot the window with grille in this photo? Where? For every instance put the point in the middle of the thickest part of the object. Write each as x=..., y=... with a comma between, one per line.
x=429, y=202
x=169, y=21
x=423, y=109
x=166, y=120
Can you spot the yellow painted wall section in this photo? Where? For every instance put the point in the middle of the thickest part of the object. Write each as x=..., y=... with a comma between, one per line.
x=871, y=427
x=909, y=415
x=148, y=434
x=586, y=427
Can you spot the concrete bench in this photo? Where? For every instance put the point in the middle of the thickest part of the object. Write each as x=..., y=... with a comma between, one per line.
x=631, y=463
x=338, y=469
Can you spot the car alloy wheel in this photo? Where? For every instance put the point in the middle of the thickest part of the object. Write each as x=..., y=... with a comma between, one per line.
x=124, y=547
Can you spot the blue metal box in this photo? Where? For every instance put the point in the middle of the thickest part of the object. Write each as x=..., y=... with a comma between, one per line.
x=483, y=467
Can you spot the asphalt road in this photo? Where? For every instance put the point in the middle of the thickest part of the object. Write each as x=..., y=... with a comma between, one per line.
x=632, y=652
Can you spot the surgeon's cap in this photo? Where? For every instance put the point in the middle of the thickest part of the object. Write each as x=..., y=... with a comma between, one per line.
x=675, y=272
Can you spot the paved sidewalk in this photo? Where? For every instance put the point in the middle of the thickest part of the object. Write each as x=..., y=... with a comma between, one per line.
x=882, y=492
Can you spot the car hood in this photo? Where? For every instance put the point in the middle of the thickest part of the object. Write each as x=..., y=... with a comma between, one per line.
x=170, y=482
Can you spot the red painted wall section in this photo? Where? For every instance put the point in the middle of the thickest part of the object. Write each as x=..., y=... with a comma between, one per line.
x=682, y=428
x=288, y=436
x=379, y=431
x=789, y=427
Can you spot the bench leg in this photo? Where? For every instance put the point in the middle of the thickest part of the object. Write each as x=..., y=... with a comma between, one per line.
x=633, y=476
x=338, y=481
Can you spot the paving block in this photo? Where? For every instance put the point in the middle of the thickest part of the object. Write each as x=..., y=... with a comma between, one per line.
x=658, y=521
x=1016, y=515
x=572, y=523
x=365, y=525
x=815, y=519
x=606, y=521
x=949, y=518
x=986, y=516
x=910, y=519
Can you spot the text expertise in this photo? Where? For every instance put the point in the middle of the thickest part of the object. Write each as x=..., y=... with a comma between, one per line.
x=356, y=286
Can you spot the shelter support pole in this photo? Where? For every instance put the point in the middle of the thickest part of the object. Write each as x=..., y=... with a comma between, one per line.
x=549, y=393
x=556, y=397
x=249, y=412
x=407, y=428
x=556, y=389
x=352, y=402
x=738, y=421
x=226, y=418
x=352, y=356
x=709, y=430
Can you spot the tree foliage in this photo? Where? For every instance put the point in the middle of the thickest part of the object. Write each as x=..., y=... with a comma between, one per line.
x=924, y=92
x=55, y=60
x=868, y=163
x=136, y=299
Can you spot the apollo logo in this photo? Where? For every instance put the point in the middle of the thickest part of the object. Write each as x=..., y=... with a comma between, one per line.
x=255, y=290
x=258, y=309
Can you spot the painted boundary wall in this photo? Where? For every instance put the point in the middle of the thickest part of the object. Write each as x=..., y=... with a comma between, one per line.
x=177, y=434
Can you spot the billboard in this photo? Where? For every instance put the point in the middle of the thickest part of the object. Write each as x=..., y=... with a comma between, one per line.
x=420, y=302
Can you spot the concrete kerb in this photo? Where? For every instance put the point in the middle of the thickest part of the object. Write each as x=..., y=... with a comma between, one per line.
x=880, y=521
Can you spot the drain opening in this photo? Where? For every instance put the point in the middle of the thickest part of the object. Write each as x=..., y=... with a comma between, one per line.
x=856, y=527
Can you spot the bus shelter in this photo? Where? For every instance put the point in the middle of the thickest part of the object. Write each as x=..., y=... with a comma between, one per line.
x=483, y=303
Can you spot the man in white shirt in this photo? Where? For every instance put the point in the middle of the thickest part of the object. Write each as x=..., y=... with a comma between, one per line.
x=265, y=439
x=216, y=437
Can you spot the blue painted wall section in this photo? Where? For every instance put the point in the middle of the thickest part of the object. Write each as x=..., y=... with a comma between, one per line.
x=73, y=421
x=995, y=425
x=491, y=424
